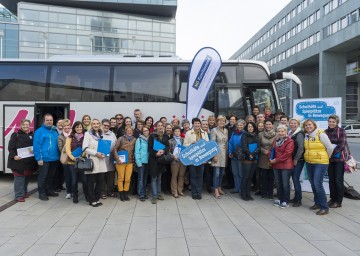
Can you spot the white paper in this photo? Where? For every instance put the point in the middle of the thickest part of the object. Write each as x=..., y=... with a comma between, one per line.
x=122, y=158
x=25, y=152
x=177, y=151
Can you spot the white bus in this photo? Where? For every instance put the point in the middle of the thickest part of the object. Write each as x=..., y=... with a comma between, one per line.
x=70, y=87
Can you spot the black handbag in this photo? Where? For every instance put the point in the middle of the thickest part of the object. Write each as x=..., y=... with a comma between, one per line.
x=165, y=159
x=350, y=192
x=84, y=163
x=239, y=153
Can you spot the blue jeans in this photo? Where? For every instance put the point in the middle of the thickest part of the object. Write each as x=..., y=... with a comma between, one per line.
x=77, y=176
x=217, y=176
x=316, y=173
x=282, y=177
x=156, y=185
x=196, y=179
x=46, y=177
x=68, y=177
x=296, y=180
x=20, y=186
x=142, y=178
x=237, y=170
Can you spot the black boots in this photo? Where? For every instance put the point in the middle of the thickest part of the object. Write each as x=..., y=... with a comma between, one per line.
x=124, y=195
x=75, y=198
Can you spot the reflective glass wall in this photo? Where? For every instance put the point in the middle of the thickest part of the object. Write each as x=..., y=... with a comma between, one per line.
x=9, y=34
x=52, y=30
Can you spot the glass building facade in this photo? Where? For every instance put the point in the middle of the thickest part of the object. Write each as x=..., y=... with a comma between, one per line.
x=47, y=30
x=9, y=34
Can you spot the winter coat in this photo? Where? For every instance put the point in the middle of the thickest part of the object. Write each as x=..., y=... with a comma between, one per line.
x=20, y=139
x=154, y=167
x=45, y=144
x=190, y=137
x=110, y=159
x=265, y=144
x=318, y=147
x=141, y=151
x=92, y=144
x=283, y=155
x=123, y=143
x=221, y=138
x=246, y=140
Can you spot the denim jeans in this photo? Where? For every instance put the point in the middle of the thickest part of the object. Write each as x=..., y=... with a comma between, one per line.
x=77, y=176
x=316, y=173
x=296, y=180
x=282, y=177
x=156, y=185
x=208, y=174
x=142, y=173
x=336, y=181
x=248, y=173
x=68, y=176
x=46, y=177
x=267, y=182
x=217, y=176
x=196, y=179
x=237, y=170
x=20, y=186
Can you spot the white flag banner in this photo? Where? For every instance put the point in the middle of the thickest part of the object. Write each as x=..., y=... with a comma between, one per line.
x=204, y=68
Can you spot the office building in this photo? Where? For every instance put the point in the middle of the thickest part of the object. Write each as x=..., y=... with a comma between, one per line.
x=121, y=27
x=9, y=34
x=320, y=42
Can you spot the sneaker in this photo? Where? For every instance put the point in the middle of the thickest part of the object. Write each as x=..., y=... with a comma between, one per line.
x=94, y=204
x=20, y=199
x=276, y=202
x=68, y=196
x=154, y=200
x=160, y=197
x=284, y=205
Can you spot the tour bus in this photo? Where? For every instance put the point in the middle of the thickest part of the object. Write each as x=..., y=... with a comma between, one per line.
x=102, y=86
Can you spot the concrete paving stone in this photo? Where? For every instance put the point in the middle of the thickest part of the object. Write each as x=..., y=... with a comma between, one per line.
x=144, y=209
x=357, y=252
x=330, y=248
x=272, y=224
x=257, y=211
x=171, y=246
x=193, y=221
x=40, y=226
x=212, y=250
x=169, y=226
x=80, y=242
x=5, y=232
x=295, y=244
x=73, y=254
x=234, y=245
x=108, y=247
x=116, y=219
x=309, y=232
x=20, y=221
x=9, y=249
x=199, y=237
x=255, y=234
x=221, y=226
x=8, y=215
x=4, y=239
x=166, y=211
x=143, y=224
x=70, y=220
x=346, y=223
x=56, y=235
x=148, y=252
x=82, y=207
x=188, y=206
x=346, y=238
x=43, y=250
x=140, y=241
x=269, y=249
x=115, y=232
x=19, y=239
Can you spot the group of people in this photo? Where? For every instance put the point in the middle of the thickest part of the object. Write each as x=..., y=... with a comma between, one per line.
x=253, y=151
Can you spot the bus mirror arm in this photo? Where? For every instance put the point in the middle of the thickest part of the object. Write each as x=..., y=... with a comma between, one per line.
x=291, y=76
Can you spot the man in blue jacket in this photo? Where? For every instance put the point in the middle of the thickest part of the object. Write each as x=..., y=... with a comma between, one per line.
x=47, y=154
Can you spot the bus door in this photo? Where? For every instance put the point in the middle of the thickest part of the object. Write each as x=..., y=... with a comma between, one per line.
x=12, y=116
x=230, y=100
x=58, y=111
x=261, y=94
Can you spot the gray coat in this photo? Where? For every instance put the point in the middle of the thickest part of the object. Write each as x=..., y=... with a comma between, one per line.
x=221, y=138
x=265, y=144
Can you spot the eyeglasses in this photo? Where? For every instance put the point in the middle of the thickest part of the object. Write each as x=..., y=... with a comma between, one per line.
x=106, y=125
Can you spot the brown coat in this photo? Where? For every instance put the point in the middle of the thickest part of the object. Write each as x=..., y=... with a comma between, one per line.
x=265, y=144
x=123, y=143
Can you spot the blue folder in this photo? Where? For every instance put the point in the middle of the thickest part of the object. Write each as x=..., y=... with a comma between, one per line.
x=272, y=154
x=252, y=147
x=124, y=156
x=77, y=152
x=158, y=146
x=104, y=147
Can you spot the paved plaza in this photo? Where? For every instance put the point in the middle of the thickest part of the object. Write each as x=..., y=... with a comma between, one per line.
x=226, y=226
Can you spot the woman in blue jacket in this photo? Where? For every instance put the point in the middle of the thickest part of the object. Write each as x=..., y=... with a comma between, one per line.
x=236, y=156
x=141, y=160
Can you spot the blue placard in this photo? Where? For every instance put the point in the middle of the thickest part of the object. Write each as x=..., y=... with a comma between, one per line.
x=199, y=153
x=77, y=152
x=158, y=146
x=104, y=147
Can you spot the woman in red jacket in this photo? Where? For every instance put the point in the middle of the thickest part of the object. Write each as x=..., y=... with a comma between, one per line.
x=283, y=165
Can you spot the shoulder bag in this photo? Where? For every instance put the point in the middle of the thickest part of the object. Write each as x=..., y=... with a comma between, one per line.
x=84, y=163
x=64, y=159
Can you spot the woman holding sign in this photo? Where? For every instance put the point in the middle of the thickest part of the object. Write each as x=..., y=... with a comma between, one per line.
x=177, y=168
x=124, y=155
x=337, y=137
x=22, y=165
x=251, y=147
x=220, y=136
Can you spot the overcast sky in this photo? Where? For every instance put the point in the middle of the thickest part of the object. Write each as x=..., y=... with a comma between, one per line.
x=222, y=24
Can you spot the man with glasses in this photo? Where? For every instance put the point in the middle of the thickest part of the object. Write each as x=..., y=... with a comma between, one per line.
x=47, y=154
x=119, y=122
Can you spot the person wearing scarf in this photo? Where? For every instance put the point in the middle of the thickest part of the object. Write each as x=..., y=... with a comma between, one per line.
x=177, y=168
x=124, y=170
x=266, y=139
x=74, y=141
x=142, y=160
x=95, y=178
x=236, y=160
x=61, y=143
x=297, y=135
x=337, y=137
x=283, y=165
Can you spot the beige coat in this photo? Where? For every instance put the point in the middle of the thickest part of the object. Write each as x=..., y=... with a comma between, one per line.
x=92, y=144
x=265, y=144
x=190, y=137
x=221, y=138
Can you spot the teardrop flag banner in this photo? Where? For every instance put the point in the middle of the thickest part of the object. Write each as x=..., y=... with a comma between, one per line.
x=204, y=68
